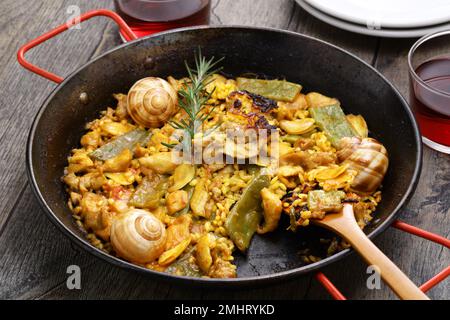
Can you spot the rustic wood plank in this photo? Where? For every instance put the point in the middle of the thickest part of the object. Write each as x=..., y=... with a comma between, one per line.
x=33, y=254
x=360, y=45
x=23, y=92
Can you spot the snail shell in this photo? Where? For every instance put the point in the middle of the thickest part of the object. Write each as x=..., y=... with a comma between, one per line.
x=368, y=158
x=138, y=236
x=151, y=102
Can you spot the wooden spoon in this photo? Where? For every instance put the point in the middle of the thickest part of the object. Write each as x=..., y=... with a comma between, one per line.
x=344, y=224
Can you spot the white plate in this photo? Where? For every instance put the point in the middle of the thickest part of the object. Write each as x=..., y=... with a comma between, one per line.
x=385, y=32
x=387, y=13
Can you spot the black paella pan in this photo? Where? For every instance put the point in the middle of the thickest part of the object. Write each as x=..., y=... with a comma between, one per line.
x=315, y=64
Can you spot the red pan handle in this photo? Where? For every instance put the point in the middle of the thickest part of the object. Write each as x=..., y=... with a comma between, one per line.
x=126, y=31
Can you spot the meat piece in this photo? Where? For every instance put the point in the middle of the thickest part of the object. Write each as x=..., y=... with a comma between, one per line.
x=178, y=231
x=272, y=211
x=94, y=212
x=308, y=160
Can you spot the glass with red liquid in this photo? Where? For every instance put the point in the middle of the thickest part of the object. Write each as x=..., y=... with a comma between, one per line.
x=146, y=17
x=429, y=68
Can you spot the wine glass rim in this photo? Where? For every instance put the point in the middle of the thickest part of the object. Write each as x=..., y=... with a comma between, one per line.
x=411, y=52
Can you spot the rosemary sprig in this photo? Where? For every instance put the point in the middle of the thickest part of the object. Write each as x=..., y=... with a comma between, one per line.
x=193, y=98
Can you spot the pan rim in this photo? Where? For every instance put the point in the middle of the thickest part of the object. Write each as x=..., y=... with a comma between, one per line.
x=241, y=281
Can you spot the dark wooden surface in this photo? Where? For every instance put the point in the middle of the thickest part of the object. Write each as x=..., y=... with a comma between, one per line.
x=34, y=255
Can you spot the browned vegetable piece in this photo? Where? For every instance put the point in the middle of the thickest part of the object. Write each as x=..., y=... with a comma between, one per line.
x=272, y=211
x=119, y=163
x=176, y=201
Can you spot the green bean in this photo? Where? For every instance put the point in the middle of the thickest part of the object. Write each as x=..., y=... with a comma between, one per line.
x=245, y=216
x=125, y=141
x=272, y=89
x=331, y=119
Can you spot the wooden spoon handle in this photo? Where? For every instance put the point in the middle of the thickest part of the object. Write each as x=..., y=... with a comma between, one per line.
x=391, y=274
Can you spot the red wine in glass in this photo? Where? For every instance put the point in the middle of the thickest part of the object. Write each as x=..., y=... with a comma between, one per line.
x=146, y=17
x=431, y=102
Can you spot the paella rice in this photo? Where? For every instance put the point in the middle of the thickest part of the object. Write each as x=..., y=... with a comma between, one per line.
x=136, y=202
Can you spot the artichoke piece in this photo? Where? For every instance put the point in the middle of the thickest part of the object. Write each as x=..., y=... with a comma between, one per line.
x=126, y=141
x=298, y=126
x=314, y=99
x=245, y=216
x=182, y=175
x=331, y=173
x=325, y=201
x=331, y=119
x=274, y=89
x=171, y=255
x=185, y=266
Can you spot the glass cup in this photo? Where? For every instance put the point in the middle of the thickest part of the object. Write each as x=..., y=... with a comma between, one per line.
x=146, y=17
x=429, y=70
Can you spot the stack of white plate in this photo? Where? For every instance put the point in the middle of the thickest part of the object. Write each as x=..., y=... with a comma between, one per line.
x=383, y=18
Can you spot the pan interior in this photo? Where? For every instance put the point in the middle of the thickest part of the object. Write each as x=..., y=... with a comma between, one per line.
x=266, y=53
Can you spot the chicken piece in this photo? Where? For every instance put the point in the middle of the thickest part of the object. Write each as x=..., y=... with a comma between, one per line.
x=177, y=201
x=308, y=160
x=272, y=211
x=94, y=212
x=203, y=253
x=178, y=231
x=72, y=181
x=79, y=162
x=199, y=199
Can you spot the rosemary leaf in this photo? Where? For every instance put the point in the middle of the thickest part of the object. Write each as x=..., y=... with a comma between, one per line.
x=194, y=96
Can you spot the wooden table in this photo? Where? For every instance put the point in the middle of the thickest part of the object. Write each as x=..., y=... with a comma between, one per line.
x=34, y=255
